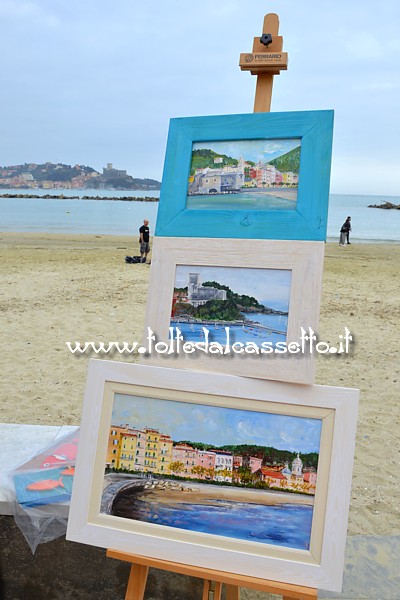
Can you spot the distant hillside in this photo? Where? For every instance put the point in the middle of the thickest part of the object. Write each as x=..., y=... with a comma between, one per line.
x=201, y=159
x=55, y=176
x=123, y=183
x=45, y=171
x=242, y=301
x=288, y=162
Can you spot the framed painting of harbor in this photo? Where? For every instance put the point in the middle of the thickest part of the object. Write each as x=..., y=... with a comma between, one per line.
x=253, y=478
x=261, y=176
x=244, y=175
x=243, y=305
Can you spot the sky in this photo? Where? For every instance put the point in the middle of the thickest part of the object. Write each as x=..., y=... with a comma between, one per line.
x=94, y=82
x=253, y=150
x=270, y=286
x=216, y=425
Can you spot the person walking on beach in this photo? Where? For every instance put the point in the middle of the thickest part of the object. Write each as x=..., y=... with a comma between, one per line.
x=144, y=240
x=345, y=232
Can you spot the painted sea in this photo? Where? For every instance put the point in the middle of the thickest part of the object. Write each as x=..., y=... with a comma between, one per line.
x=237, y=333
x=124, y=218
x=249, y=200
x=287, y=525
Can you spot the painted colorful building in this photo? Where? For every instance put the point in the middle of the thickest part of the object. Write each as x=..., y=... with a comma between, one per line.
x=128, y=448
x=149, y=450
x=114, y=445
x=164, y=458
x=272, y=477
x=186, y=457
x=205, y=464
x=223, y=465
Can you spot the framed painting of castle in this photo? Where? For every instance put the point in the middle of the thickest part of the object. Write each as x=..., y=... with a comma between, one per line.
x=243, y=305
x=247, y=477
x=259, y=176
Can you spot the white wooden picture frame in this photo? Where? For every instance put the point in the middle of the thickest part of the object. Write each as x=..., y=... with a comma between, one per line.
x=319, y=566
x=303, y=260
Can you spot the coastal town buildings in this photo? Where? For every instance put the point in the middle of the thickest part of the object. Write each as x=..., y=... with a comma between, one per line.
x=295, y=478
x=50, y=176
x=148, y=450
x=138, y=449
x=47, y=176
x=244, y=175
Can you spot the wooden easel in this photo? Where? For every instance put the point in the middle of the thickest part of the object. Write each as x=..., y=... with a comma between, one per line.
x=213, y=580
x=265, y=61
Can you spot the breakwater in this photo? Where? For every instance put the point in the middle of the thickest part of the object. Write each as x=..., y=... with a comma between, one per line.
x=63, y=197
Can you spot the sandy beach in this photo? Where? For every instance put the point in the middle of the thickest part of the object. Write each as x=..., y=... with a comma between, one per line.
x=285, y=193
x=197, y=493
x=59, y=288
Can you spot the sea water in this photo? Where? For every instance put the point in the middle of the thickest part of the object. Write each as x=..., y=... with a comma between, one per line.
x=286, y=525
x=273, y=330
x=124, y=218
x=368, y=224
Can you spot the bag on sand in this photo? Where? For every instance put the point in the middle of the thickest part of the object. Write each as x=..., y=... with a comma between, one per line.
x=133, y=259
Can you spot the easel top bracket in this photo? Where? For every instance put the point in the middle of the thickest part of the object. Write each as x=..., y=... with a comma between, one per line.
x=267, y=55
x=266, y=60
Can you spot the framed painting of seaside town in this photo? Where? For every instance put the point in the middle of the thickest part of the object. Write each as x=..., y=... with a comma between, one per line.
x=244, y=305
x=246, y=476
x=260, y=176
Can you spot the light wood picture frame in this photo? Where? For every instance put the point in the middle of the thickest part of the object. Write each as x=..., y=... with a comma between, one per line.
x=307, y=220
x=116, y=391
x=282, y=274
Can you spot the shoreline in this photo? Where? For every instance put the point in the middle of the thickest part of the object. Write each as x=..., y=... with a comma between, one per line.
x=332, y=240
x=81, y=235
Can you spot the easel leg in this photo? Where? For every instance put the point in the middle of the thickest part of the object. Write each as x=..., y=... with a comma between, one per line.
x=212, y=590
x=232, y=592
x=137, y=582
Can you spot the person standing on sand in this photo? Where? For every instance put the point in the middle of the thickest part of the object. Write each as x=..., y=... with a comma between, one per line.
x=345, y=232
x=144, y=240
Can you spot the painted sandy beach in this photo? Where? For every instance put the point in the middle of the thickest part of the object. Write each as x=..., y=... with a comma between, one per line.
x=199, y=493
x=58, y=288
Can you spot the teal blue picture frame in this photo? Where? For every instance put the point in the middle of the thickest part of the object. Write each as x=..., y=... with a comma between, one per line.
x=308, y=221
